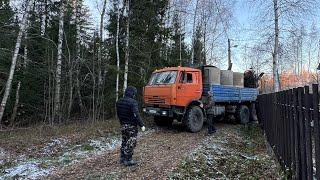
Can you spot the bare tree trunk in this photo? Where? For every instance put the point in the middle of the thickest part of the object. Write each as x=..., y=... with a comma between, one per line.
x=14, y=60
x=204, y=62
x=193, y=32
x=125, y=81
x=180, y=48
x=78, y=52
x=101, y=41
x=117, y=50
x=276, y=80
x=99, y=98
x=43, y=17
x=16, y=104
x=57, y=97
x=70, y=75
x=93, y=91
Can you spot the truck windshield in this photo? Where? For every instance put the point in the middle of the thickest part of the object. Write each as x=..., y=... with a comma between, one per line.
x=165, y=77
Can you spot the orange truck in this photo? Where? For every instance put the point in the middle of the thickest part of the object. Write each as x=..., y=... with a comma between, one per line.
x=181, y=92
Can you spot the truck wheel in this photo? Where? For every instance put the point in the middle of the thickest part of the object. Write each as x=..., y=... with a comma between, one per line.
x=243, y=114
x=194, y=119
x=162, y=121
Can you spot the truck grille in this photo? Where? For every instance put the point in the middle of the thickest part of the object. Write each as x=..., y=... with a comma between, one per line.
x=155, y=100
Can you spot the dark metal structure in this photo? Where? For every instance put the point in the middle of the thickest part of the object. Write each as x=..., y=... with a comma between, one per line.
x=290, y=120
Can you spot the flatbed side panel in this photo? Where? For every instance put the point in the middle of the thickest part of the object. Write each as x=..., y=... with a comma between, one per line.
x=223, y=93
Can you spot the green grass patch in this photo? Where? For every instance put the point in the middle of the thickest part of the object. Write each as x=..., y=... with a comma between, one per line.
x=237, y=152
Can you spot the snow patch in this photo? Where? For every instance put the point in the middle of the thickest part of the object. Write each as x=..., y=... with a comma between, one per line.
x=30, y=170
x=54, y=144
x=35, y=168
x=3, y=155
x=101, y=145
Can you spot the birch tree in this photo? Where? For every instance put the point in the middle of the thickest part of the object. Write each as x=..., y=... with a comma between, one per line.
x=276, y=79
x=194, y=30
x=117, y=50
x=57, y=97
x=101, y=40
x=78, y=53
x=125, y=81
x=14, y=59
x=282, y=13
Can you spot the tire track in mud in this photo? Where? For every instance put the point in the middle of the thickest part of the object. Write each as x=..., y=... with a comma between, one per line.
x=158, y=154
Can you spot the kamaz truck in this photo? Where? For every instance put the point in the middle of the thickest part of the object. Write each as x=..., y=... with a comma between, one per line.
x=181, y=92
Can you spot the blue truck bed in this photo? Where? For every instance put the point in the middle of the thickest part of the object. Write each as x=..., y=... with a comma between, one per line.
x=223, y=93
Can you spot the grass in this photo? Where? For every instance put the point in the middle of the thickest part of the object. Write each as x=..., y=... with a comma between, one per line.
x=239, y=152
x=30, y=141
x=22, y=141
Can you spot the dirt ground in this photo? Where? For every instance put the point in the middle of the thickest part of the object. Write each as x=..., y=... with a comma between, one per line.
x=158, y=154
x=162, y=152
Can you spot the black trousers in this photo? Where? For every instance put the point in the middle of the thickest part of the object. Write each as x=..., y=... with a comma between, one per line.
x=210, y=121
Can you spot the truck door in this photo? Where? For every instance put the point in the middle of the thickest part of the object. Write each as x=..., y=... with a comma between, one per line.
x=189, y=87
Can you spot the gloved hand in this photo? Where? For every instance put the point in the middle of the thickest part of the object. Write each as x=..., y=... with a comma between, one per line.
x=143, y=128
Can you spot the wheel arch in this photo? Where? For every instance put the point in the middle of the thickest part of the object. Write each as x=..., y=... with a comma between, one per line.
x=194, y=102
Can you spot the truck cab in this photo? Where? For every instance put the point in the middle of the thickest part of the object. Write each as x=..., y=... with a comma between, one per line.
x=170, y=90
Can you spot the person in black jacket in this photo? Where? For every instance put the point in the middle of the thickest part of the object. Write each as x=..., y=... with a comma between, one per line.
x=129, y=117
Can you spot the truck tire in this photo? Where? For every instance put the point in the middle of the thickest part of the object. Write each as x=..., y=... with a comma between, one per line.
x=194, y=119
x=162, y=121
x=243, y=114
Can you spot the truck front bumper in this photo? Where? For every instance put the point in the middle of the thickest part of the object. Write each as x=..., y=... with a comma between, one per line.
x=158, y=111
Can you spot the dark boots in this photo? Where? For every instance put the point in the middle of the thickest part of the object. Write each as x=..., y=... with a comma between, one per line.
x=129, y=162
x=122, y=157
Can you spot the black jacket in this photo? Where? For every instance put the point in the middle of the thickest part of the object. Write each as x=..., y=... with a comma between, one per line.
x=127, y=108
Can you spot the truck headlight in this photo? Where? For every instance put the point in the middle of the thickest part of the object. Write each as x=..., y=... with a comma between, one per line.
x=164, y=113
x=144, y=110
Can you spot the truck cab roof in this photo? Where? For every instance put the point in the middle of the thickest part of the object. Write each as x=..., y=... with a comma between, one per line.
x=179, y=68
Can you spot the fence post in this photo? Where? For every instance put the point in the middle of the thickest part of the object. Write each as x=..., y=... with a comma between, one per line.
x=292, y=131
x=307, y=124
x=296, y=134
x=316, y=125
x=302, y=135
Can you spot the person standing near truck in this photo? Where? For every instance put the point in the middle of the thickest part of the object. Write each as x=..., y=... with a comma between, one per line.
x=129, y=117
x=210, y=113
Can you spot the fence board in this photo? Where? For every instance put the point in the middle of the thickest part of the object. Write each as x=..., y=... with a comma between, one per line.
x=308, y=134
x=315, y=91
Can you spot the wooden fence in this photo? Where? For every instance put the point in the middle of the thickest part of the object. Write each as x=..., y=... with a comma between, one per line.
x=290, y=120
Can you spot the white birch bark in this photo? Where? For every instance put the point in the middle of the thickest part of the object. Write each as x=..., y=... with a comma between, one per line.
x=57, y=97
x=101, y=41
x=276, y=80
x=117, y=50
x=16, y=104
x=14, y=60
x=125, y=81
x=193, y=32
x=78, y=52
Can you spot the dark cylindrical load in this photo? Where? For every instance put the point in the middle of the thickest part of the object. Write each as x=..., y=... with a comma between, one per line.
x=226, y=77
x=211, y=75
x=238, y=79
